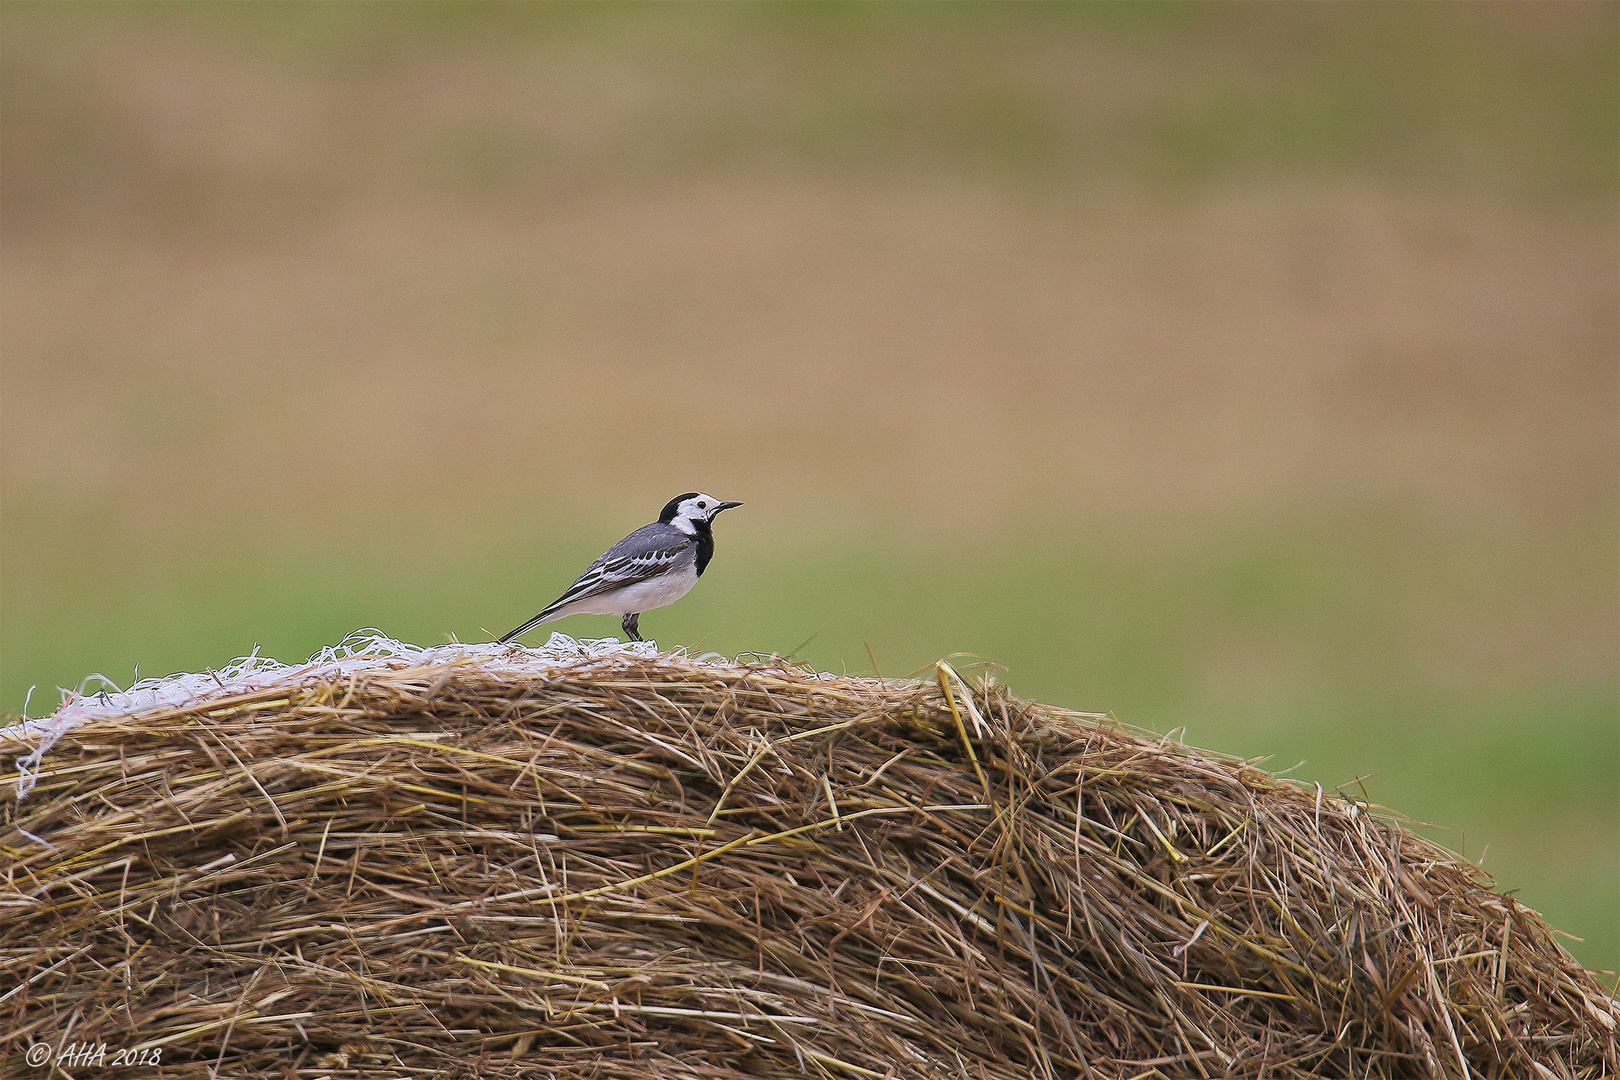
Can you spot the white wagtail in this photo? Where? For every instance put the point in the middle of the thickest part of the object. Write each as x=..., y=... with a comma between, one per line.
x=653, y=566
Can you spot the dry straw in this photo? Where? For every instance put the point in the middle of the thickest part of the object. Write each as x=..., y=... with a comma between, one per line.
x=634, y=865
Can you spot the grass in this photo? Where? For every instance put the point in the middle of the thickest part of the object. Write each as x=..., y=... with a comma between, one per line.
x=1162, y=94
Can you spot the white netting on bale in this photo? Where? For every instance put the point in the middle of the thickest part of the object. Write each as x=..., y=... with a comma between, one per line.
x=364, y=650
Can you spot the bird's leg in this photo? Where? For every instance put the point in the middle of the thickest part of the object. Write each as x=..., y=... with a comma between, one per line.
x=629, y=623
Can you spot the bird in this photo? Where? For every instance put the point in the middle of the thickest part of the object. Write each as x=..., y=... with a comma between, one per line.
x=652, y=567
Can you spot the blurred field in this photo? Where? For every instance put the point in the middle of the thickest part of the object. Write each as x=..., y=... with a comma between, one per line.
x=1246, y=369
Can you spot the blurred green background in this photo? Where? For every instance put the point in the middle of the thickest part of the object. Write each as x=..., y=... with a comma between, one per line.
x=1244, y=369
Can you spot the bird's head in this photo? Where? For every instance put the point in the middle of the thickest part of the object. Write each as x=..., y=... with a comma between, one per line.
x=693, y=511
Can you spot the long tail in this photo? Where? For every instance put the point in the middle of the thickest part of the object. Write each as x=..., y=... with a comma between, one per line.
x=545, y=616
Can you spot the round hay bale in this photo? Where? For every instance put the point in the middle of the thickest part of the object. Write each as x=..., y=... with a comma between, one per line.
x=604, y=862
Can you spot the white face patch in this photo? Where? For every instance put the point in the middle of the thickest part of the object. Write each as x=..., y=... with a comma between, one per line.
x=697, y=508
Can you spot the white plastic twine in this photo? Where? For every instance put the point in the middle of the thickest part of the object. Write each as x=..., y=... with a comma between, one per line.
x=363, y=650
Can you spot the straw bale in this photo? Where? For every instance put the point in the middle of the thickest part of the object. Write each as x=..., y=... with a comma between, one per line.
x=641, y=865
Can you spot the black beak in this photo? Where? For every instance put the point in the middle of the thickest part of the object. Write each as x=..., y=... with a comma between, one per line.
x=725, y=506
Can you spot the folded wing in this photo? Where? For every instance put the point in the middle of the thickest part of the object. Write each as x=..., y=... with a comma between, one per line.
x=624, y=564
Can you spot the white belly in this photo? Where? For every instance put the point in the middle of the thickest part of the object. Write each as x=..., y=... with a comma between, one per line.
x=642, y=596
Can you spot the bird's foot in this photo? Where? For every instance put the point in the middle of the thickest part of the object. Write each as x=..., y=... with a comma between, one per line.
x=629, y=622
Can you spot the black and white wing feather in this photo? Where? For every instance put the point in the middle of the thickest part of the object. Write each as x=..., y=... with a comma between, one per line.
x=649, y=552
